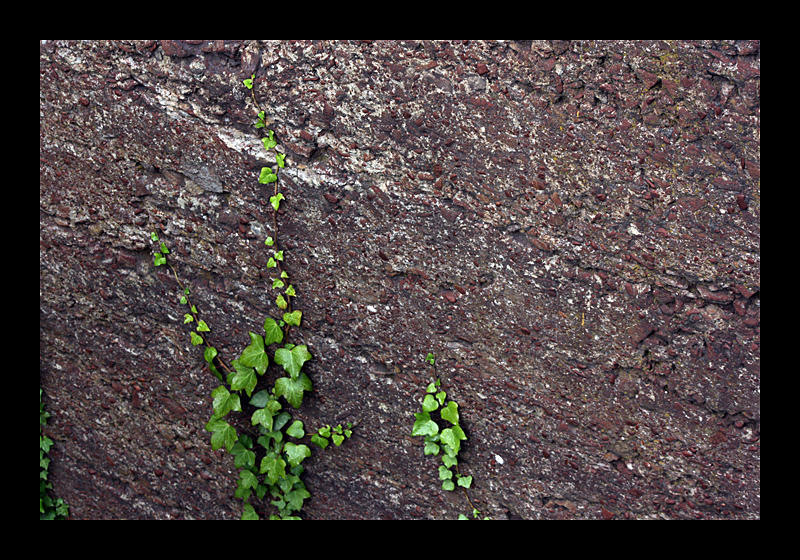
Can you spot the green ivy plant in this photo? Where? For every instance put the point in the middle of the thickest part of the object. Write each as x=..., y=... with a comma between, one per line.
x=442, y=442
x=48, y=507
x=269, y=458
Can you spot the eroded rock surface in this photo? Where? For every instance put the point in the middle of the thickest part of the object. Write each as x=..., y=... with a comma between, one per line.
x=573, y=228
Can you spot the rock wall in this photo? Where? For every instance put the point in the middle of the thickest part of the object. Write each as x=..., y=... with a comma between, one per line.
x=572, y=227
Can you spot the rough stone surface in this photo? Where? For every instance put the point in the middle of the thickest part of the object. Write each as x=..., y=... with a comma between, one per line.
x=573, y=228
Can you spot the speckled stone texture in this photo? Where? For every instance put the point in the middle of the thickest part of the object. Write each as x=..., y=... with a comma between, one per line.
x=572, y=227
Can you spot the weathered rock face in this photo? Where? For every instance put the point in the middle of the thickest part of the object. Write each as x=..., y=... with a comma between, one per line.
x=573, y=229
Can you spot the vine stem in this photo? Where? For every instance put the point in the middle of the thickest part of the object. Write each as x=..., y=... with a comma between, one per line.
x=281, y=267
x=196, y=318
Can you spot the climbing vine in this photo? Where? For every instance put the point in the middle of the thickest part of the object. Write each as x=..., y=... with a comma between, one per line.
x=444, y=442
x=269, y=461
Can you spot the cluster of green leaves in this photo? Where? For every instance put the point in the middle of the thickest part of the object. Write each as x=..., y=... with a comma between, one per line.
x=270, y=462
x=439, y=423
x=337, y=434
x=447, y=440
x=48, y=507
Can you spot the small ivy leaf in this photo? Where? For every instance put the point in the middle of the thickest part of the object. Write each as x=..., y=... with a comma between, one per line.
x=280, y=157
x=337, y=439
x=274, y=468
x=450, y=413
x=184, y=301
x=248, y=82
x=296, y=429
x=267, y=176
x=270, y=141
x=279, y=255
x=431, y=448
x=292, y=359
x=159, y=259
x=293, y=318
x=271, y=263
x=429, y=404
x=430, y=358
x=187, y=318
x=249, y=513
x=254, y=355
x=224, y=402
x=325, y=431
x=273, y=332
x=448, y=485
x=445, y=473
x=296, y=453
x=164, y=248
x=154, y=236
x=451, y=439
x=196, y=339
x=290, y=291
x=243, y=455
x=449, y=460
x=319, y=440
x=431, y=388
x=292, y=389
x=280, y=301
x=202, y=327
x=260, y=399
x=465, y=481
x=224, y=435
x=269, y=242
x=263, y=417
x=424, y=425
x=295, y=500
x=277, y=284
x=276, y=199
x=244, y=378
x=284, y=275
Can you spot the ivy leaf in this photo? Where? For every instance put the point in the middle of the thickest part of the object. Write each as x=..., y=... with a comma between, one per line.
x=429, y=404
x=244, y=378
x=269, y=241
x=296, y=429
x=293, y=318
x=243, y=456
x=280, y=157
x=337, y=439
x=290, y=291
x=196, y=339
x=431, y=448
x=273, y=332
x=424, y=426
x=159, y=259
x=260, y=399
x=296, y=453
x=292, y=389
x=280, y=301
x=224, y=435
x=445, y=473
x=263, y=417
x=267, y=176
x=224, y=402
x=292, y=359
x=276, y=200
x=248, y=82
x=164, y=248
x=465, y=481
x=450, y=413
x=270, y=141
x=319, y=440
x=249, y=513
x=277, y=283
x=452, y=437
x=202, y=327
x=274, y=468
x=295, y=499
x=187, y=318
x=254, y=355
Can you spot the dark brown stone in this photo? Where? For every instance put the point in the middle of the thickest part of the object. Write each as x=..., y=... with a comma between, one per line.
x=638, y=364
